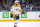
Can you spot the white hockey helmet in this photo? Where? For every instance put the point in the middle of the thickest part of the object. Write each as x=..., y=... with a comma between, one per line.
x=16, y=1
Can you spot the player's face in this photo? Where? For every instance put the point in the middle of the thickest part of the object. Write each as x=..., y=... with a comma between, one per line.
x=16, y=3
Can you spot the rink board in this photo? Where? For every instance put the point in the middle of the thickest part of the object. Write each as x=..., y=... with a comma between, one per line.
x=28, y=16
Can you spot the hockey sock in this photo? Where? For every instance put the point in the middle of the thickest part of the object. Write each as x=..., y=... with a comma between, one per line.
x=15, y=23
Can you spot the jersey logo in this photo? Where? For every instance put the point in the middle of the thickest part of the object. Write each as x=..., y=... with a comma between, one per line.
x=17, y=9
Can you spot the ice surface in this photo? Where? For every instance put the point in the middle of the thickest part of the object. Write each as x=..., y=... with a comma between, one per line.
x=20, y=24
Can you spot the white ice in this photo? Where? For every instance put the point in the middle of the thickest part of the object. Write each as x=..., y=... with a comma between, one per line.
x=20, y=24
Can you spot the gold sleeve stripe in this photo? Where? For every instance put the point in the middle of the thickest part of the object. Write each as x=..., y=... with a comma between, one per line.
x=11, y=13
x=20, y=10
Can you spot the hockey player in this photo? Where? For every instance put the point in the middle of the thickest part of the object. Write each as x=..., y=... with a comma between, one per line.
x=16, y=11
